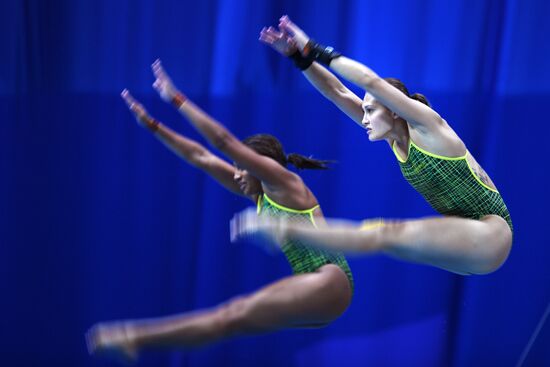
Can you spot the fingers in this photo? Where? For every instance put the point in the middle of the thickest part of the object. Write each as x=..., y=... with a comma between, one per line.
x=157, y=85
x=163, y=84
x=127, y=97
x=285, y=24
x=265, y=37
x=158, y=70
x=285, y=18
x=270, y=35
x=274, y=33
x=286, y=27
x=135, y=107
x=271, y=31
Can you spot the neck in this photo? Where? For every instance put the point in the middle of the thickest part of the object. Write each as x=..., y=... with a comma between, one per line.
x=399, y=134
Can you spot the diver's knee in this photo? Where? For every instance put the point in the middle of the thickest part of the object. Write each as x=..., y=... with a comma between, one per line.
x=231, y=317
x=335, y=288
x=496, y=244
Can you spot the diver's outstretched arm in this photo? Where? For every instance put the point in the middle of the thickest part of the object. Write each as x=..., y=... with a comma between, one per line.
x=189, y=150
x=416, y=113
x=321, y=78
x=262, y=167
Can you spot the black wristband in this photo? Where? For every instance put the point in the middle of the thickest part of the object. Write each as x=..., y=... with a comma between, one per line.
x=300, y=61
x=320, y=53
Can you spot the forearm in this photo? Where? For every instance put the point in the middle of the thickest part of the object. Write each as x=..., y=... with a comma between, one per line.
x=354, y=72
x=214, y=132
x=324, y=81
x=336, y=92
x=185, y=148
x=195, y=154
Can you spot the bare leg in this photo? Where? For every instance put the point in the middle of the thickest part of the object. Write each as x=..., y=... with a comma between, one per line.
x=459, y=245
x=305, y=300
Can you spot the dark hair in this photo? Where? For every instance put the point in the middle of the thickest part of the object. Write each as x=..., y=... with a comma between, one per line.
x=271, y=147
x=399, y=85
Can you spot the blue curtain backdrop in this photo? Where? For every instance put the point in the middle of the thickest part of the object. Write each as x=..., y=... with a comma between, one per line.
x=99, y=221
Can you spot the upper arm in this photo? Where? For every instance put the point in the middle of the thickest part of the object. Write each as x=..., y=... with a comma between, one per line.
x=349, y=103
x=416, y=113
x=264, y=168
x=335, y=91
x=219, y=170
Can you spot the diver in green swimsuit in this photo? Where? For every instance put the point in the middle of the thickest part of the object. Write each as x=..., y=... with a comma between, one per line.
x=302, y=258
x=474, y=235
x=320, y=289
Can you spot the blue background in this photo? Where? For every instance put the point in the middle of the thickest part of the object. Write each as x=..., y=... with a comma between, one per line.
x=99, y=221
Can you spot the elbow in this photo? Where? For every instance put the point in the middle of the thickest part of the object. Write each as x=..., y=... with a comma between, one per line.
x=199, y=158
x=194, y=154
x=338, y=92
x=327, y=92
x=369, y=82
x=330, y=94
x=222, y=140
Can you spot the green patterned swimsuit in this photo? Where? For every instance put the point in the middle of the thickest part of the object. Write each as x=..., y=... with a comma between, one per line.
x=302, y=258
x=450, y=186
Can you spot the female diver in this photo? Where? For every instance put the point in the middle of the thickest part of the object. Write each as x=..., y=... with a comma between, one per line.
x=474, y=235
x=320, y=289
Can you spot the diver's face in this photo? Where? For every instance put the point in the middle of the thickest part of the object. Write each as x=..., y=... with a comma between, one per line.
x=248, y=184
x=377, y=119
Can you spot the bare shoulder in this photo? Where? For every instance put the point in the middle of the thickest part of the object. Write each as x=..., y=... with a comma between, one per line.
x=444, y=141
x=440, y=139
x=294, y=194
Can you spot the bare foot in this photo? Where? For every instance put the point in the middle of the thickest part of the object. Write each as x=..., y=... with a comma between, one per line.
x=114, y=340
x=267, y=231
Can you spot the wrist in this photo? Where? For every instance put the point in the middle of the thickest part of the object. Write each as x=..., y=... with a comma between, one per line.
x=178, y=100
x=150, y=123
x=319, y=52
x=300, y=61
x=154, y=125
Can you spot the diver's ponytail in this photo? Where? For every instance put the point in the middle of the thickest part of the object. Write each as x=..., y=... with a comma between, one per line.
x=301, y=162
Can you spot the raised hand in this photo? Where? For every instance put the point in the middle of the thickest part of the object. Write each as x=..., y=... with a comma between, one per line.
x=163, y=84
x=279, y=41
x=136, y=108
x=299, y=37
